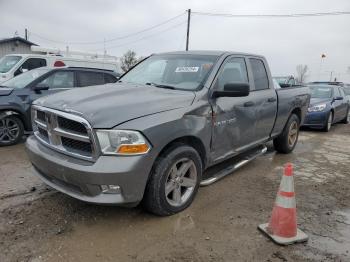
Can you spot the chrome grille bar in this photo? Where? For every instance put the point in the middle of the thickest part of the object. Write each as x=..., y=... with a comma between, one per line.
x=56, y=133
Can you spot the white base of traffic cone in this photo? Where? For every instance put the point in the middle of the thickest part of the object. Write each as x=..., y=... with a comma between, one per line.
x=300, y=237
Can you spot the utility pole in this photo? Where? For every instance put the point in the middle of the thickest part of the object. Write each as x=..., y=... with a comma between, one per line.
x=26, y=34
x=188, y=27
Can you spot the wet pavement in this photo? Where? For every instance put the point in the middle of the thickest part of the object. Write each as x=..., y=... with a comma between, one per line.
x=41, y=224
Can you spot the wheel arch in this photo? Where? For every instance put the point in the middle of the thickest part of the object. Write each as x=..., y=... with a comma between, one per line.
x=14, y=112
x=189, y=140
x=297, y=112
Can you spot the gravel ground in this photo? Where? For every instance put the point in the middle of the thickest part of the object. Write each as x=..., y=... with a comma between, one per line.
x=41, y=224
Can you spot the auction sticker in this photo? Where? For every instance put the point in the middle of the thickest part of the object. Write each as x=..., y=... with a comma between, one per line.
x=187, y=69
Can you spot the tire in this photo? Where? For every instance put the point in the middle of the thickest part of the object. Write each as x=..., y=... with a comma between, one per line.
x=11, y=130
x=287, y=140
x=329, y=122
x=166, y=174
x=346, y=120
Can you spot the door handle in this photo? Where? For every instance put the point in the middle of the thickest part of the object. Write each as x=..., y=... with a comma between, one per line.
x=248, y=104
x=271, y=99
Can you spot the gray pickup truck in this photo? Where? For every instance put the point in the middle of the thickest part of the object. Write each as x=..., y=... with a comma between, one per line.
x=172, y=120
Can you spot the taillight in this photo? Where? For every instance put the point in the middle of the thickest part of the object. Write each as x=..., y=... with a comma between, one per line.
x=59, y=63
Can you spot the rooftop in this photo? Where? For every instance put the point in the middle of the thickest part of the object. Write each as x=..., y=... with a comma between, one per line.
x=17, y=38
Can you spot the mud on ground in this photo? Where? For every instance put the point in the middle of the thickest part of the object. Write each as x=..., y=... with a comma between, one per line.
x=40, y=224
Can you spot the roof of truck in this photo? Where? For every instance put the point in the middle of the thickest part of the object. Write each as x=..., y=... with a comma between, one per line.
x=207, y=52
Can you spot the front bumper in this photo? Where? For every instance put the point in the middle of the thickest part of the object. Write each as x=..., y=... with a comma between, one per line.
x=316, y=119
x=83, y=179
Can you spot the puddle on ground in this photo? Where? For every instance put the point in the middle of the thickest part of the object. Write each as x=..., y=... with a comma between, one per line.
x=336, y=245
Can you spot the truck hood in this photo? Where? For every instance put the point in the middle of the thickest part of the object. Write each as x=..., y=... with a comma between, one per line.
x=110, y=105
x=5, y=91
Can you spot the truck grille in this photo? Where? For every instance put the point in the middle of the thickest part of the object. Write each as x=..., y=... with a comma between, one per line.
x=64, y=132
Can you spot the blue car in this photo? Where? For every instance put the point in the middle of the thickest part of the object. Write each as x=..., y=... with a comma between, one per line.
x=328, y=105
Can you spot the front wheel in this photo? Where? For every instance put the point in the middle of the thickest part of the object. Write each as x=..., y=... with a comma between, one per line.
x=328, y=123
x=11, y=130
x=287, y=140
x=174, y=181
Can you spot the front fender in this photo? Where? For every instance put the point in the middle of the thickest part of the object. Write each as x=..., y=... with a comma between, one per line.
x=163, y=128
x=7, y=113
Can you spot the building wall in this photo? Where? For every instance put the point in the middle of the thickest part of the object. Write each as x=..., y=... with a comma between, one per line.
x=14, y=47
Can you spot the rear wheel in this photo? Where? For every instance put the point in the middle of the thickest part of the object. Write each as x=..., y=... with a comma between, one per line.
x=11, y=130
x=286, y=141
x=174, y=181
x=328, y=123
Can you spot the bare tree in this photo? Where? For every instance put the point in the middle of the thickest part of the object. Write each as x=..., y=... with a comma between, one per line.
x=302, y=71
x=128, y=60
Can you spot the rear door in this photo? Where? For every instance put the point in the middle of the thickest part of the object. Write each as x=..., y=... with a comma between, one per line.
x=264, y=97
x=234, y=118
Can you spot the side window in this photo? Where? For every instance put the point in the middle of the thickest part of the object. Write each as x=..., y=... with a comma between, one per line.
x=341, y=92
x=32, y=63
x=261, y=79
x=90, y=78
x=233, y=71
x=110, y=78
x=60, y=79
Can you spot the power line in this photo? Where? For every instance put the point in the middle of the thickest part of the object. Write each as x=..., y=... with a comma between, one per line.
x=143, y=38
x=112, y=39
x=272, y=15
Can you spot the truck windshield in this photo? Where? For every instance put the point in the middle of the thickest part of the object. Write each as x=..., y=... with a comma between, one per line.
x=183, y=72
x=24, y=79
x=321, y=92
x=8, y=62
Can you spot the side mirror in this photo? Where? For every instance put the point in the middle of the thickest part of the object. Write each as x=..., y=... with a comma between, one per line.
x=40, y=87
x=233, y=90
x=338, y=98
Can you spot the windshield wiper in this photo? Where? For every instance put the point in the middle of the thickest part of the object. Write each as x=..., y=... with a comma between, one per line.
x=160, y=86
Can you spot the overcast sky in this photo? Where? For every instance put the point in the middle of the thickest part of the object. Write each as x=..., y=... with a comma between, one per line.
x=285, y=42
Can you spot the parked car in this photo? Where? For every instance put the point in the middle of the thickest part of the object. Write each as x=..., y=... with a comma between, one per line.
x=335, y=83
x=18, y=93
x=16, y=64
x=172, y=116
x=328, y=106
x=286, y=81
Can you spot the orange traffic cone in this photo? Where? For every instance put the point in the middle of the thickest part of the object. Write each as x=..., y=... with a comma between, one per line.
x=282, y=227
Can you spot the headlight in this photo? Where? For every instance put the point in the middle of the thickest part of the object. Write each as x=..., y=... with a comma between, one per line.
x=317, y=108
x=122, y=142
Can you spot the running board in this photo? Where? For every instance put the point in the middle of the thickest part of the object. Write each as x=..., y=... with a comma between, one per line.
x=233, y=167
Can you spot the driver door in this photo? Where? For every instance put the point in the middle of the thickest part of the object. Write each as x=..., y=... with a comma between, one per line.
x=234, y=118
x=60, y=80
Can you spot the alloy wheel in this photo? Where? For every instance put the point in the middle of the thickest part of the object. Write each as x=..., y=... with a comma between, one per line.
x=293, y=133
x=9, y=130
x=181, y=182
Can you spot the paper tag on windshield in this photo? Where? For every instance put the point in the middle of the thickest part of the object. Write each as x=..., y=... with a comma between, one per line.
x=187, y=69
